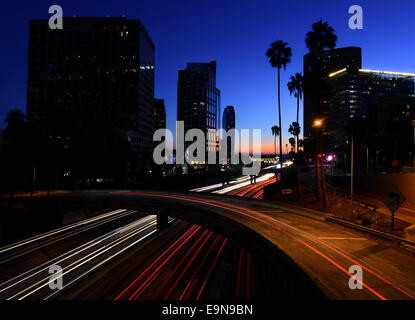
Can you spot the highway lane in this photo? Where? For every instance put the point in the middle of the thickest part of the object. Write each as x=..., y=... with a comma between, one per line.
x=77, y=263
x=243, y=187
x=186, y=262
x=324, y=251
x=255, y=191
x=25, y=254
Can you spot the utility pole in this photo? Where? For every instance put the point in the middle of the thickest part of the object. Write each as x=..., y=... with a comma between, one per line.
x=351, y=180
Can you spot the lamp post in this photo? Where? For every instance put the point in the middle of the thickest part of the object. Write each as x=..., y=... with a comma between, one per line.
x=317, y=124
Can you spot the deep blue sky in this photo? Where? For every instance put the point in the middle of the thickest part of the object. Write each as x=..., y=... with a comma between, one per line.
x=234, y=33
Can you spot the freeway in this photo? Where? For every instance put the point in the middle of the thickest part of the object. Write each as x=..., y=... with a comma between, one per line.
x=77, y=263
x=306, y=253
x=323, y=250
x=255, y=191
x=186, y=262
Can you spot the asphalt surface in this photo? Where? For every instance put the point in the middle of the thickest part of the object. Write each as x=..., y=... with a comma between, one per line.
x=303, y=244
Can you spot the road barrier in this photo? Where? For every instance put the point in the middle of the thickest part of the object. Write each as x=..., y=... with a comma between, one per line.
x=374, y=232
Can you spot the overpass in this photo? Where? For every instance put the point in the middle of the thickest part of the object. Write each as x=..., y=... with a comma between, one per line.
x=309, y=253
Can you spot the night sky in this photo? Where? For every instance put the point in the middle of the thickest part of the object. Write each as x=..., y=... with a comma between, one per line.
x=234, y=33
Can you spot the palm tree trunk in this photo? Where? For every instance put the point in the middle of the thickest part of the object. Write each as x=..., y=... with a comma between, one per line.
x=275, y=146
x=298, y=167
x=275, y=153
x=298, y=111
x=279, y=122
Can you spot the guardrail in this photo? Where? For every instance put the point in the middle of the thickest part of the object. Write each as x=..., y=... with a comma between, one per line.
x=374, y=232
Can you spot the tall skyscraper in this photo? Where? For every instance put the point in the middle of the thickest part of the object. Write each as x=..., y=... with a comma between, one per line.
x=320, y=66
x=228, y=123
x=198, y=99
x=95, y=72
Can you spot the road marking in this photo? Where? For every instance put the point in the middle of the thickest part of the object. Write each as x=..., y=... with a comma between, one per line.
x=338, y=238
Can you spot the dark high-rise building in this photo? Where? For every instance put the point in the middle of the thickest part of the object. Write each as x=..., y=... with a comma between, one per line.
x=159, y=114
x=389, y=134
x=95, y=72
x=198, y=99
x=352, y=91
x=2, y=141
x=321, y=65
x=228, y=123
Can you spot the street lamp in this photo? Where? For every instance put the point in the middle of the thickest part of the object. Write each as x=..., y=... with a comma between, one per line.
x=318, y=123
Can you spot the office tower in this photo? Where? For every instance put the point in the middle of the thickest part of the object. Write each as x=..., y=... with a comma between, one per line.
x=228, y=124
x=95, y=72
x=198, y=100
x=315, y=99
x=370, y=96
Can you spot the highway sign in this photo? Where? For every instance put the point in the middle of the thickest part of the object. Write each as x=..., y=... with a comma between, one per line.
x=393, y=199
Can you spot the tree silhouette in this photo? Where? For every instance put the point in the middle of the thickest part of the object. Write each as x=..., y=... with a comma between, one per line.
x=275, y=132
x=316, y=85
x=320, y=37
x=296, y=87
x=279, y=55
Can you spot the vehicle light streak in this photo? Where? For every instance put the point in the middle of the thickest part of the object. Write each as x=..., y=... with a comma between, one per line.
x=83, y=260
x=211, y=269
x=146, y=283
x=172, y=273
x=192, y=283
x=228, y=206
x=119, y=276
x=166, y=296
x=154, y=262
x=59, y=230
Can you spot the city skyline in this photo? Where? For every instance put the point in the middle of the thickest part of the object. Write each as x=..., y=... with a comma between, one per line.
x=216, y=158
x=237, y=56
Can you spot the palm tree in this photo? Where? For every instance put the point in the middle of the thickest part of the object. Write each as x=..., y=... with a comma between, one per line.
x=14, y=116
x=295, y=129
x=275, y=132
x=296, y=87
x=320, y=37
x=279, y=55
x=291, y=141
